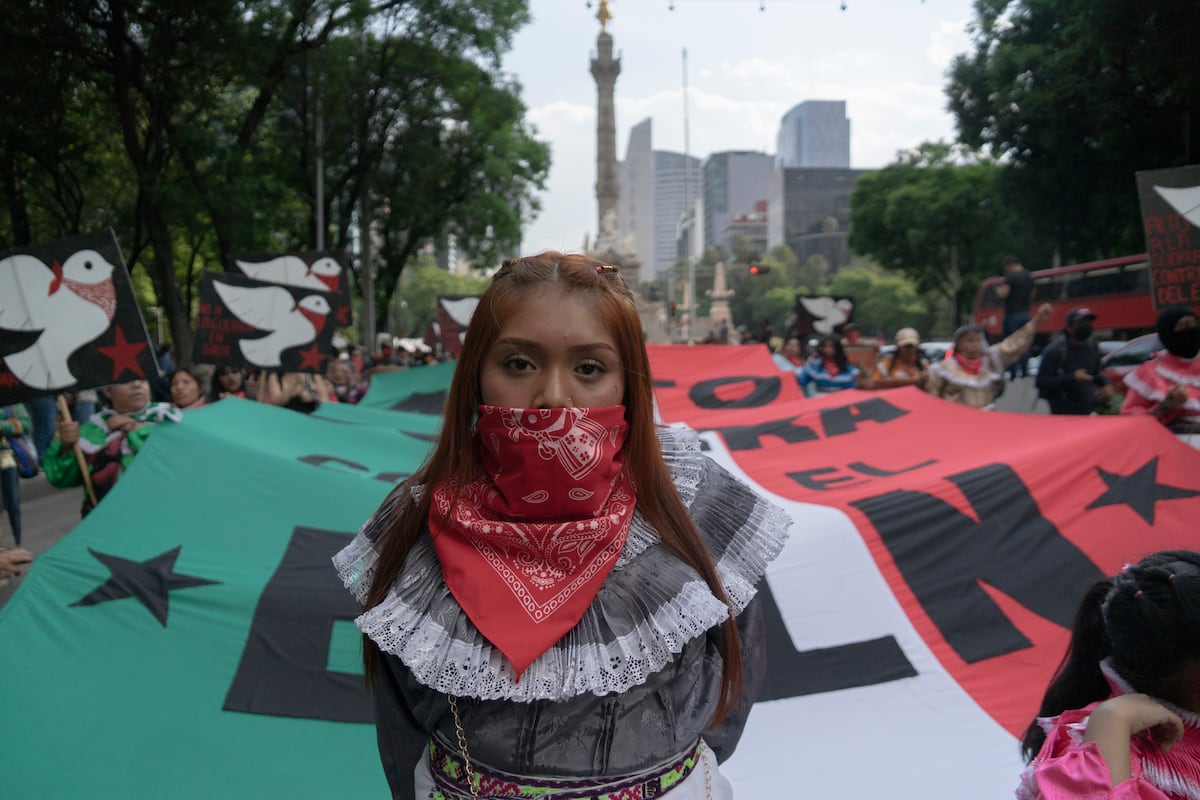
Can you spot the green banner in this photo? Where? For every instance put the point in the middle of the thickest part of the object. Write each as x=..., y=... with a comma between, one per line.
x=190, y=638
x=419, y=389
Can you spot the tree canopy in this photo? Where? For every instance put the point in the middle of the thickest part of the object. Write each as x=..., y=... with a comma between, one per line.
x=941, y=219
x=189, y=126
x=1075, y=96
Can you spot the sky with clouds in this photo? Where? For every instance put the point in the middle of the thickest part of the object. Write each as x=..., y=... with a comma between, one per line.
x=745, y=68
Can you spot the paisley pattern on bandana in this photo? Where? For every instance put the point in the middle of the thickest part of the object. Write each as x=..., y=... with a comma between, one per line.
x=526, y=546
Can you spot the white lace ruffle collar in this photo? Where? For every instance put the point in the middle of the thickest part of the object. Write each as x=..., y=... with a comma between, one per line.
x=650, y=606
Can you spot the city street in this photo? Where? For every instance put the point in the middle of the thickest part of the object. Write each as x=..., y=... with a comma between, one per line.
x=47, y=514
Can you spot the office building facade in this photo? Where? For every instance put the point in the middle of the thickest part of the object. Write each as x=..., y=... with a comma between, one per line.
x=735, y=182
x=815, y=133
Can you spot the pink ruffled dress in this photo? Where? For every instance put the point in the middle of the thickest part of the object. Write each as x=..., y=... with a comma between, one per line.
x=1067, y=767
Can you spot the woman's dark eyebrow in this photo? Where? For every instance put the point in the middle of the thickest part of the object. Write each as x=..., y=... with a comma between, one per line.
x=531, y=344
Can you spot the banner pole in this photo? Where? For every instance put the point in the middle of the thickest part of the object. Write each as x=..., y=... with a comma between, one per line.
x=79, y=457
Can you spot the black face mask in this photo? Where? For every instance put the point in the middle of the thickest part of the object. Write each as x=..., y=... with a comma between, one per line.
x=1083, y=330
x=1184, y=343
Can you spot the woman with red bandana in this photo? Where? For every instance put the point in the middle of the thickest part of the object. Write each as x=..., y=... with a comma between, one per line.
x=562, y=601
x=1168, y=386
x=974, y=374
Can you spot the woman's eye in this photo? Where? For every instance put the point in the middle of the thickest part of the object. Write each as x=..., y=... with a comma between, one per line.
x=518, y=363
x=591, y=368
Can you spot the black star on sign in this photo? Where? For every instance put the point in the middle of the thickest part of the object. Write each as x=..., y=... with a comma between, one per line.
x=148, y=581
x=1140, y=491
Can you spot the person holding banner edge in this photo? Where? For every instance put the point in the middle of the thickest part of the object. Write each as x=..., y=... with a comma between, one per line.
x=561, y=564
x=1167, y=387
x=110, y=439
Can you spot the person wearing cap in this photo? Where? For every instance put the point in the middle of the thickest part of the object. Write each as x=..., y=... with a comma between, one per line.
x=1069, y=377
x=974, y=375
x=905, y=367
x=1167, y=387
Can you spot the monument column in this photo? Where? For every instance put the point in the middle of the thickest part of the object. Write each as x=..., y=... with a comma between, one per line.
x=605, y=70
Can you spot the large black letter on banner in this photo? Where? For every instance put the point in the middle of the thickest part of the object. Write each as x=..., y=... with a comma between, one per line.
x=284, y=668
x=841, y=420
x=944, y=554
x=792, y=673
x=763, y=391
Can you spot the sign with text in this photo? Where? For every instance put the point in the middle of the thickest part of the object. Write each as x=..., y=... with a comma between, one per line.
x=1170, y=200
x=248, y=323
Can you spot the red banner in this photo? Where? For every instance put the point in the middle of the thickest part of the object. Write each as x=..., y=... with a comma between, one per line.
x=987, y=526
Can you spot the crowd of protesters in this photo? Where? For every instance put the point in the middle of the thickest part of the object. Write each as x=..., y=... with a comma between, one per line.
x=108, y=428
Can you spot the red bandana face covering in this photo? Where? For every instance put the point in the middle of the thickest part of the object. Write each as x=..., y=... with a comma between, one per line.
x=526, y=546
x=971, y=366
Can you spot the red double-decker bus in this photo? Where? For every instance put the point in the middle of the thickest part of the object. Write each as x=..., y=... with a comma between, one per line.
x=1116, y=289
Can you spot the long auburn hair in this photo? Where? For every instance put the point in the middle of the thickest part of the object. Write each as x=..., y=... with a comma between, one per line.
x=456, y=455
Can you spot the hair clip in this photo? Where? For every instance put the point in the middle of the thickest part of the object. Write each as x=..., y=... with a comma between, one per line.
x=1137, y=594
x=607, y=268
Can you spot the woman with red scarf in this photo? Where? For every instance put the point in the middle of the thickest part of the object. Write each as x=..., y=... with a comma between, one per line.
x=562, y=601
x=974, y=374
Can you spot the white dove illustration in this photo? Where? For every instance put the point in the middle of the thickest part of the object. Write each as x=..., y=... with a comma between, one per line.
x=826, y=312
x=271, y=308
x=325, y=274
x=71, y=303
x=1185, y=200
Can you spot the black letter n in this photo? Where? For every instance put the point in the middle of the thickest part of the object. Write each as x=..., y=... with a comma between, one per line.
x=944, y=554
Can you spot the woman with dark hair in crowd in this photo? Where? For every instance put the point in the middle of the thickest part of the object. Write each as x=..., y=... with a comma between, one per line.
x=828, y=370
x=226, y=381
x=563, y=597
x=185, y=389
x=1121, y=718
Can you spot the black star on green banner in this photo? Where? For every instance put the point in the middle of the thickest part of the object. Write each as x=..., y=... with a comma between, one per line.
x=1140, y=490
x=150, y=582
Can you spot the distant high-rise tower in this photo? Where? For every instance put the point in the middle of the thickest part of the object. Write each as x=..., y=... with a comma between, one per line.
x=815, y=133
x=605, y=70
x=735, y=182
x=652, y=198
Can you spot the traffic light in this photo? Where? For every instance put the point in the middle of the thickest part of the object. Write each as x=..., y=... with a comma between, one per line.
x=758, y=269
x=671, y=309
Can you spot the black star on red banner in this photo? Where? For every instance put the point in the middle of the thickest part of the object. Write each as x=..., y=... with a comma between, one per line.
x=124, y=355
x=149, y=582
x=1140, y=490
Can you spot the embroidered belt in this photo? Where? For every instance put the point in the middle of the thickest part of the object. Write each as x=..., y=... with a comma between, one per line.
x=450, y=779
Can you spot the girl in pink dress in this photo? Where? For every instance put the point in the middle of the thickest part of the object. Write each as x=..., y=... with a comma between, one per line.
x=1121, y=718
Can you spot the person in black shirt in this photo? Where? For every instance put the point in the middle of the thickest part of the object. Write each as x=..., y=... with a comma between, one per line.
x=1017, y=293
x=1069, y=377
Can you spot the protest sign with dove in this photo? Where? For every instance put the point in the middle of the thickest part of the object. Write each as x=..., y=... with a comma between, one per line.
x=247, y=323
x=322, y=270
x=69, y=319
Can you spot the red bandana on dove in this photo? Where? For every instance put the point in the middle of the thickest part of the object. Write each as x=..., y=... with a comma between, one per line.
x=526, y=546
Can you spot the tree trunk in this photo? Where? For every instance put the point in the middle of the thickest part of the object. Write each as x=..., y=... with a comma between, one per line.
x=166, y=283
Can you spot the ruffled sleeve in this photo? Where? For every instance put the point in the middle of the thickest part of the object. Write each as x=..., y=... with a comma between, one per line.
x=1067, y=768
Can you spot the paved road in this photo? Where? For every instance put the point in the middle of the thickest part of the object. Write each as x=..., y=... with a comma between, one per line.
x=48, y=514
